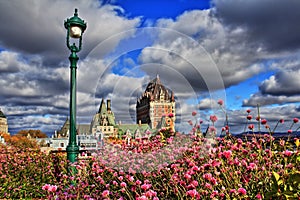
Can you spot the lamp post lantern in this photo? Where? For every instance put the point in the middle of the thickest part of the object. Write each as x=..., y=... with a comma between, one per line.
x=75, y=28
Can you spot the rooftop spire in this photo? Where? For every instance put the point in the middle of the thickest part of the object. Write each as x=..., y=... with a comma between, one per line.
x=157, y=80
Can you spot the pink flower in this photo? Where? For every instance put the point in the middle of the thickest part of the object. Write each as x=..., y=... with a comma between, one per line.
x=208, y=186
x=249, y=117
x=190, y=122
x=258, y=196
x=52, y=188
x=220, y=102
x=242, y=191
x=251, y=126
x=267, y=126
x=214, y=193
x=194, y=113
x=123, y=184
x=287, y=153
x=290, y=131
x=45, y=187
x=146, y=186
x=171, y=115
x=143, y=197
x=187, y=176
x=232, y=191
x=227, y=154
x=263, y=121
x=213, y=118
x=251, y=166
x=281, y=121
x=207, y=176
x=295, y=120
x=151, y=193
x=194, y=183
x=212, y=129
x=248, y=111
x=131, y=178
x=105, y=193
x=192, y=193
x=138, y=182
x=115, y=182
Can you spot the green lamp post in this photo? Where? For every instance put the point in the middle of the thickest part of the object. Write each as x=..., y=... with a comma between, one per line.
x=75, y=28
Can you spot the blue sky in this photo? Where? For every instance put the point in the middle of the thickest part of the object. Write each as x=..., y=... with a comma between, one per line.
x=246, y=53
x=152, y=10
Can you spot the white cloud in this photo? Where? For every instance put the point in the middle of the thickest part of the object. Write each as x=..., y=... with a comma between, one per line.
x=259, y=99
x=283, y=83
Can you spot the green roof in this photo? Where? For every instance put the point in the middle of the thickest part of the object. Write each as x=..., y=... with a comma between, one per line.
x=133, y=127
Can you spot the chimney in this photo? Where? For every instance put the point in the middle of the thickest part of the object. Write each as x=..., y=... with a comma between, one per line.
x=172, y=97
x=108, y=105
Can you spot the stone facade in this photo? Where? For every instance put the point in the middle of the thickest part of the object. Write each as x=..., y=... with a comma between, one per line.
x=3, y=123
x=155, y=103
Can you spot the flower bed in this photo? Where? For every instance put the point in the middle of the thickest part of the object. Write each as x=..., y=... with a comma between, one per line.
x=180, y=167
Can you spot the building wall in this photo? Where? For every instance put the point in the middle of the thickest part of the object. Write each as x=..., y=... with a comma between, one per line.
x=159, y=109
x=3, y=125
x=106, y=130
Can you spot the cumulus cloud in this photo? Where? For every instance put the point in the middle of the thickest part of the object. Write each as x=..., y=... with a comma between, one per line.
x=273, y=23
x=283, y=83
x=189, y=50
x=36, y=27
x=263, y=100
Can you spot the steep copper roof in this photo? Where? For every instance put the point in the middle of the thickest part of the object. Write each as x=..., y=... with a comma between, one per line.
x=155, y=88
x=105, y=111
x=102, y=108
x=2, y=114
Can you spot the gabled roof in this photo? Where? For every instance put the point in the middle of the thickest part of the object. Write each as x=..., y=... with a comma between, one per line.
x=133, y=127
x=83, y=128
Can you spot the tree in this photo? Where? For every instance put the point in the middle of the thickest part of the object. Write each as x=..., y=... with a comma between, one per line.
x=32, y=133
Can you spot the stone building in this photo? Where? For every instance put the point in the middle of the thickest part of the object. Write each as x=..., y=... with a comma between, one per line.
x=155, y=103
x=104, y=120
x=3, y=123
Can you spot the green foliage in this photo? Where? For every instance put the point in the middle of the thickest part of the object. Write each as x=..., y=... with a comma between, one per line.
x=286, y=185
x=32, y=133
